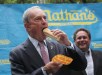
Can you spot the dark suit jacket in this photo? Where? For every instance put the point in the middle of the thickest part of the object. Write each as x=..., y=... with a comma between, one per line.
x=25, y=60
x=97, y=60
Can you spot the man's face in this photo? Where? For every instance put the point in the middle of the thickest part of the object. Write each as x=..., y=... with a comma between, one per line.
x=82, y=40
x=37, y=23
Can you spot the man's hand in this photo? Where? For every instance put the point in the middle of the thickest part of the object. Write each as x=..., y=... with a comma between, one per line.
x=62, y=35
x=52, y=67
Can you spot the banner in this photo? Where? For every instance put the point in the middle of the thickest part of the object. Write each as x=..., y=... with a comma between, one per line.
x=67, y=17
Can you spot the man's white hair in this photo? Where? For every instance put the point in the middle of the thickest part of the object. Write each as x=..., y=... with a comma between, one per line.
x=26, y=14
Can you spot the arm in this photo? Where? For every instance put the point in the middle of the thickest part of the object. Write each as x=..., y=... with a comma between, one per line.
x=79, y=60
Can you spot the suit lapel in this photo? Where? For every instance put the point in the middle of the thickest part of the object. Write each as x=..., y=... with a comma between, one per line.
x=51, y=50
x=34, y=55
x=94, y=56
x=84, y=72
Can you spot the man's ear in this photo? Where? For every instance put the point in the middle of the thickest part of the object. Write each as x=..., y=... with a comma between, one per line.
x=27, y=26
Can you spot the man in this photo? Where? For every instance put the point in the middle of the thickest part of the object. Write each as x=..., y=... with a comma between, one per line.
x=26, y=59
x=82, y=39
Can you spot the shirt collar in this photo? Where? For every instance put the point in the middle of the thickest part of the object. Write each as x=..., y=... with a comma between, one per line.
x=88, y=52
x=34, y=41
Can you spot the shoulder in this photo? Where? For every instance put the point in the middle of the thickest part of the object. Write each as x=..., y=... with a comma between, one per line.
x=17, y=50
x=21, y=47
x=97, y=53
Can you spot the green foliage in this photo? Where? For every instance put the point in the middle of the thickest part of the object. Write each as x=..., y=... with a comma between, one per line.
x=46, y=1
x=16, y=1
x=99, y=0
x=7, y=1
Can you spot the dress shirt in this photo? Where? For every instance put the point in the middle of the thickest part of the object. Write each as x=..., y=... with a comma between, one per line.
x=35, y=43
x=90, y=66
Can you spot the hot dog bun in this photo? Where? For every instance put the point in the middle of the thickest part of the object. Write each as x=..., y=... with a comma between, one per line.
x=48, y=33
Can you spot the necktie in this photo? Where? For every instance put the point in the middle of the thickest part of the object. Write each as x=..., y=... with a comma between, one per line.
x=44, y=54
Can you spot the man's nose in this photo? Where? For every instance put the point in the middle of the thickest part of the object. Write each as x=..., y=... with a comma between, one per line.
x=82, y=39
x=43, y=20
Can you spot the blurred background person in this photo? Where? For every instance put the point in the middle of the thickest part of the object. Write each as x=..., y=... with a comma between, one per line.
x=82, y=40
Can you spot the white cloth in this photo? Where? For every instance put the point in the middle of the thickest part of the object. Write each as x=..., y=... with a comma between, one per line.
x=90, y=66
